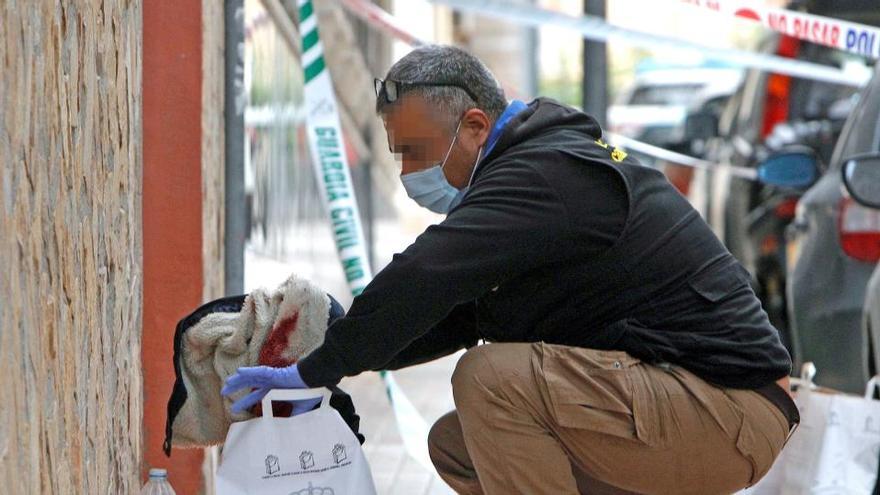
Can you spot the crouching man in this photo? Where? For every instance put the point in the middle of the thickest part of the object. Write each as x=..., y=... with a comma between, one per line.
x=627, y=351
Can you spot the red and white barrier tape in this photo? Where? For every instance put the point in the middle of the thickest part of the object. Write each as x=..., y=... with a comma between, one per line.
x=596, y=28
x=844, y=35
x=375, y=16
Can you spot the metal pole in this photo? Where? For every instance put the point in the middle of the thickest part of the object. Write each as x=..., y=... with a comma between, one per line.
x=369, y=211
x=234, y=102
x=371, y=43
x=595, y=65
x=286, y=28
x=530, y=85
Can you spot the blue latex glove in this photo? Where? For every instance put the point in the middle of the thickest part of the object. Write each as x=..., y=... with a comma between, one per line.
x=264, y=379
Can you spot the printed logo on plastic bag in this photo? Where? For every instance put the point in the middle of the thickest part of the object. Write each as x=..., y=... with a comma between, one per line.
x=314, y=490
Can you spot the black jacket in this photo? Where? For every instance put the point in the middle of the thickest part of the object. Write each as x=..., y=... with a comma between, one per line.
x=561, y=239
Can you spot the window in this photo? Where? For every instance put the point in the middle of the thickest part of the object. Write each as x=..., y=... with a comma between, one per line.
x=862, y=131
x=667, y=94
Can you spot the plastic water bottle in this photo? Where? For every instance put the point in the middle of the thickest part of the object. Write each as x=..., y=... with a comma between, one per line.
x=158, y=484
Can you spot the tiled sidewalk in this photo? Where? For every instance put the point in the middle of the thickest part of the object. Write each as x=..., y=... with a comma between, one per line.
x=394, y=471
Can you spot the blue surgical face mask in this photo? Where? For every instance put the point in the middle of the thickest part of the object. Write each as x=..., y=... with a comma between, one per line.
x=429, y=187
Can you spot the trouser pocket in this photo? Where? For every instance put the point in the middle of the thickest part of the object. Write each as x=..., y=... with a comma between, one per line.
x=590, y=389
x=760, y=440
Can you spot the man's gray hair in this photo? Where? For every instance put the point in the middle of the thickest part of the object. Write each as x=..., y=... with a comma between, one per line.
x=447, y=65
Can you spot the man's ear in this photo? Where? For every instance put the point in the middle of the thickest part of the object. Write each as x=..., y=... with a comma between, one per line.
x=477, y=124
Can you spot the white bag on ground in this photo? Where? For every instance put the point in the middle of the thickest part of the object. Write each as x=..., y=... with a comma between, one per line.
x=835, y=449
x=313, y=453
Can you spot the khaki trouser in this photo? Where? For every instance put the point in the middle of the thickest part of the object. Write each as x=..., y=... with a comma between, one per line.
x=540, y=418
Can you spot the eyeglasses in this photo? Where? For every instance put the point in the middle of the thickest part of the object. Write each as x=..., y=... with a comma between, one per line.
x=391, y=88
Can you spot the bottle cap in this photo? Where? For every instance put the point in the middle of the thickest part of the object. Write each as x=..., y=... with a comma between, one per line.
x=158, y=473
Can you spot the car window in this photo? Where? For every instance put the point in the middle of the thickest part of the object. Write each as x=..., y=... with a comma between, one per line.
x=811, y=99
x=666, y=94
x=716, y=105
x=861, y=134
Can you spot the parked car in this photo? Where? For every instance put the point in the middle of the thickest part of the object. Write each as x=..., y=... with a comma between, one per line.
x=767, y=115
x=654, y=107
x=861, y=175
x=871, y=320
x=834, y=247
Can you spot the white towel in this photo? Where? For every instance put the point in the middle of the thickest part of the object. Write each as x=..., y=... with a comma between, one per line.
x=275, y=328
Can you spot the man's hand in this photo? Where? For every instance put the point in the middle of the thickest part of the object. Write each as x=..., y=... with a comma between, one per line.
x=264, y=379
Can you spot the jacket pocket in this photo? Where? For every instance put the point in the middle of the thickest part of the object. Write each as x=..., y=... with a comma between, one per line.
x=715, y=284
x=590, y=389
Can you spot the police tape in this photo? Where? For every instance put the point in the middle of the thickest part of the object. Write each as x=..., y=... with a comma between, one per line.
x=595, y=28
x=328, y=155
x=679, y=158
x=376, y=17
x=331, y=166
x=379, y=19
x=848, y=36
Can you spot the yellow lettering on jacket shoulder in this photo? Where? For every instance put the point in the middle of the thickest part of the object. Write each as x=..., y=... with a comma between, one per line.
x=617, y=154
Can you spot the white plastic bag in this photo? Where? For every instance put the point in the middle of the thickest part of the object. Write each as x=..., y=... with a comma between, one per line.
x=313, y=453
x=835, y=449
